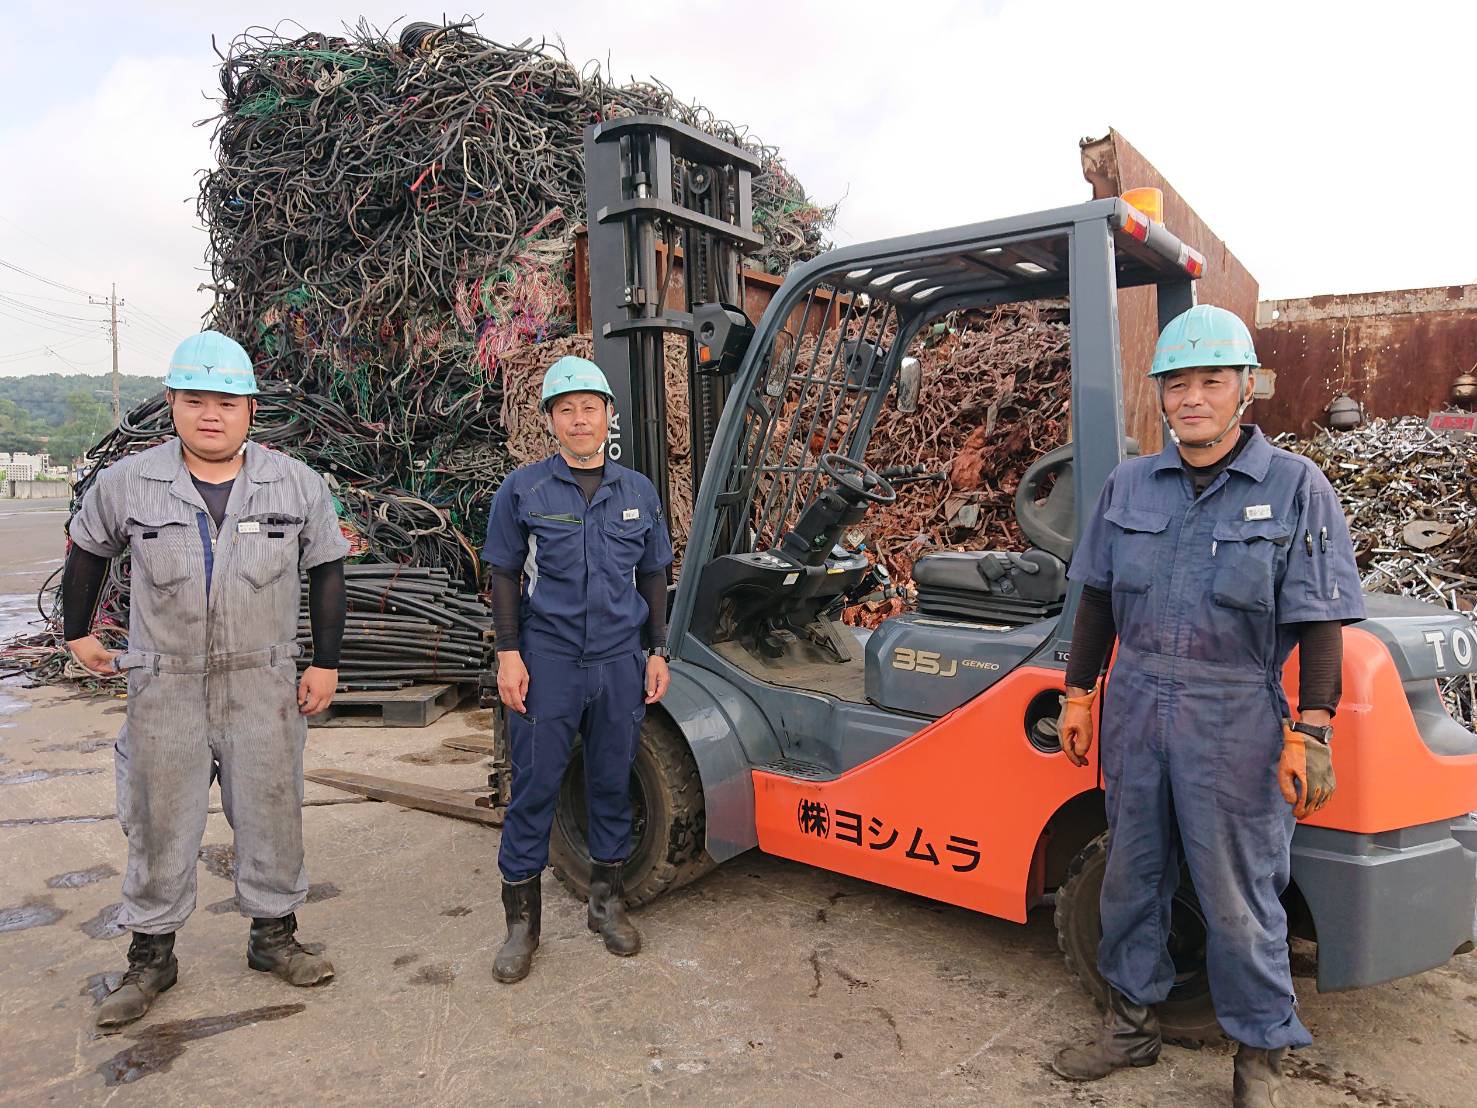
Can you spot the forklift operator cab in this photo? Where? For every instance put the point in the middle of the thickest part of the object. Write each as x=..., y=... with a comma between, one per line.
x=923, y=755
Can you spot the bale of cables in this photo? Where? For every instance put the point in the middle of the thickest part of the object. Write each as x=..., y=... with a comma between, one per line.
x=407, y=625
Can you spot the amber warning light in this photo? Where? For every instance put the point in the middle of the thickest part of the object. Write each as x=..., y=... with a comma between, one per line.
x=1147, y=200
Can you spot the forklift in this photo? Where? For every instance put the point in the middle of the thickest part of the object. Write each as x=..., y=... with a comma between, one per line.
x=923, y=755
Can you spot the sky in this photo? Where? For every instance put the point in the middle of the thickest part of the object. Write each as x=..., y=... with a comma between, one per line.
x=1327, y=143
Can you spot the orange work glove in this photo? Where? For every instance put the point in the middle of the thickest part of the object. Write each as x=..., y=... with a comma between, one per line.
x=1074, y=726
x=1305, y=771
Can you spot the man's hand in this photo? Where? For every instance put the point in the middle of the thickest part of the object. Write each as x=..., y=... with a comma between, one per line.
x=1074, y=725
x=512, y=680
x=1305, y=770
x=315, y=690
x=94, y=655
x=658, y=677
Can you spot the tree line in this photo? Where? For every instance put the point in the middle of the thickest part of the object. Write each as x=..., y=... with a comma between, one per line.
x=64, y=415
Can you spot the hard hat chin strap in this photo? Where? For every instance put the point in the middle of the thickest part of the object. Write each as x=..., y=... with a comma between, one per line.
x=1233, y=425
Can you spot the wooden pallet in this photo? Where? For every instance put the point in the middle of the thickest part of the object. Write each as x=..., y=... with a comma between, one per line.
x=416, y=706
x=407, y=794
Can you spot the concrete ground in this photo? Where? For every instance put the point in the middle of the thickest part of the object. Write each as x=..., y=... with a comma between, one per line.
x=766, y=982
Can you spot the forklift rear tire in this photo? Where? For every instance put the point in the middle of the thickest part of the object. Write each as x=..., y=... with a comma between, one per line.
x=668, y=825
x=1187, y=1017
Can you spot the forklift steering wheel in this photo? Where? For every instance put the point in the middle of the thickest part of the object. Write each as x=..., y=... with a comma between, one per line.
x=858, y=478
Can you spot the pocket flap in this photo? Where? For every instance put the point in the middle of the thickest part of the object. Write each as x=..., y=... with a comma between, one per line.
x=161, y=517
x=1136, y=519
x=1245, y=530
x=627, y=528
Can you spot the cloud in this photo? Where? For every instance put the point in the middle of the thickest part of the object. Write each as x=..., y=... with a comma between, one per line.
x=1317, y=139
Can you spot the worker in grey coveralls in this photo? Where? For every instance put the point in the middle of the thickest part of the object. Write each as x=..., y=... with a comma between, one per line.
x=219, y=529
x=1208, y=562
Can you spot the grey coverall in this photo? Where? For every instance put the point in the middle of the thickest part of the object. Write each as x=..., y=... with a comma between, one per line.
x=211, y=678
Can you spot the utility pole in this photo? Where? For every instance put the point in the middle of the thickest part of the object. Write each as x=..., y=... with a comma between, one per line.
x=113, y=304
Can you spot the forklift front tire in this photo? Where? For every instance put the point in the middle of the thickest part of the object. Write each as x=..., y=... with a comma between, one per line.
x=668, y=827
x=1187, y=1017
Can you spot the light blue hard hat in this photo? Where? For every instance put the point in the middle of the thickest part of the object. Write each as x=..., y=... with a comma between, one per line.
x=212, y=362
x=1203, y=336
x=571, y=374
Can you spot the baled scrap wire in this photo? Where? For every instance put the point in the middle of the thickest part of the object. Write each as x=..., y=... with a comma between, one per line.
x=391, y=230
x=391, y=227
x=1410, y=496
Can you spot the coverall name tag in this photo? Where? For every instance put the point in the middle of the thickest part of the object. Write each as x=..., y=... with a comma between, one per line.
x=631, y=513
x=248, y=527
x=1258, y=511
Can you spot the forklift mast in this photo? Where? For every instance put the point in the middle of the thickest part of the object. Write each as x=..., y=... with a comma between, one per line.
x=654, y=185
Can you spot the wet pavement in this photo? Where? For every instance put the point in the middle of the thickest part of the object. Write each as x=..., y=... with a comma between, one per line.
x=764, y=983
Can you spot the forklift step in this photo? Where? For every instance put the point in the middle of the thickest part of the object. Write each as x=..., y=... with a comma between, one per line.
x=790, y=767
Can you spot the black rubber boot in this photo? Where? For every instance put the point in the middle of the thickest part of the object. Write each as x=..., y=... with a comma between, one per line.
x=1258, y=1080
x=1129, y=1036
x=152, y=969
x=524, y=909
x=607, y=913
x=273, y=948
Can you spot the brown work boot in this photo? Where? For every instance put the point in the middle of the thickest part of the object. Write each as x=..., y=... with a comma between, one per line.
x=1129, y=1036
x=152, y=969
x=524, y=908
x=607, y=914
x=1258, y=1080
x=273, y=948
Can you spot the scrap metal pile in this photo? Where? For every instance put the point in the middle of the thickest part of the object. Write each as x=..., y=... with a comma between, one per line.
x=1410, y=496
x=391, y=231
x=996, y=397
x=391, y=226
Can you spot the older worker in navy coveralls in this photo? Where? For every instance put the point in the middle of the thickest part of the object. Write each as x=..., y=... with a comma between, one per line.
x=580, y=555
x=1209, y=561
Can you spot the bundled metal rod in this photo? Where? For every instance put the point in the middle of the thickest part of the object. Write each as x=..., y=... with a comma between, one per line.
x=407, y=622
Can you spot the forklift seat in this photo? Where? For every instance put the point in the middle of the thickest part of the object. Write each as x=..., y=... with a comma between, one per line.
x=991, y=586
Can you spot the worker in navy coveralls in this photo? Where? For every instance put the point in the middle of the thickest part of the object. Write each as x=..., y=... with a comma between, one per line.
x=1208, y=562
x=580, y=555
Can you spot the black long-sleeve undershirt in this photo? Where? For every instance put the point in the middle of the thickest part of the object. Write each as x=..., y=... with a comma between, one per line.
x=1320, y=652
x=85, y=572
x=327, y=612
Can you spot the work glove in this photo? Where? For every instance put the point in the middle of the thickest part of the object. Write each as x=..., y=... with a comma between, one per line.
x=1305, y=771
x=1074, y=726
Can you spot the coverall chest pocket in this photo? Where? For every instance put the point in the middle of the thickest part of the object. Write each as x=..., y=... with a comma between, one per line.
x=166, y=550
x=268, y=548
x=1135, y=545
x=1245, y=554
x=557, y=541
x=625, y=542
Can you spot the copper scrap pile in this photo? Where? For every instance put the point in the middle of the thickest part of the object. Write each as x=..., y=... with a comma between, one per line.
x=1410, y=496
x=995, y=398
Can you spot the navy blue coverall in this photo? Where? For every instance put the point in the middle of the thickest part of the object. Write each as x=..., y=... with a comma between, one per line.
x=1206, y=595
x=580, y=622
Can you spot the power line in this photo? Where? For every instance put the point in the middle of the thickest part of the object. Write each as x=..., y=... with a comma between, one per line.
x=44, y=280
x=19, y=355
x=59, y=328
x=172, y=332
x=38, y=296
x=48, y=312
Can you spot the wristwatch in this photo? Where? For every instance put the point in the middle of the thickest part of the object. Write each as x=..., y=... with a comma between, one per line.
x=659, y=652
x=1322, y=732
